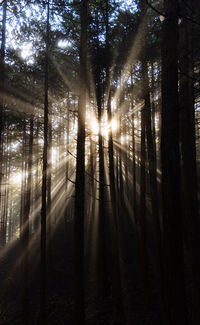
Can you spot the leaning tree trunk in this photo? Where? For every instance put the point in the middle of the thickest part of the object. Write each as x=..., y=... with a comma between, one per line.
x=174, y=293
x=79, y=312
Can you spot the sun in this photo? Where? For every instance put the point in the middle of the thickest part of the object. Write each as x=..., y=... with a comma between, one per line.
x=105, y=126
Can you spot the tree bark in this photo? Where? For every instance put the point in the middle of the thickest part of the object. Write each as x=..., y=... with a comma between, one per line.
x=188, y=151
x=2, y=89
x=79, y=208
x=26, y=228
x=42, y=314
x=174, y=293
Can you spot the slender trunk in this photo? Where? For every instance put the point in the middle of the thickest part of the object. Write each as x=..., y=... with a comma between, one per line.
x=23, y=182
x=2, y=89
x=49, y=171
x=79, y=208
x=153, y=109
x=10, y=229
x=67, y=143
x=37, y=192
x=26, y=228
x=134, y=159
x=42, y=314
x=143, y=211
x=116, y=271
x=152, y=163
x=6, y=172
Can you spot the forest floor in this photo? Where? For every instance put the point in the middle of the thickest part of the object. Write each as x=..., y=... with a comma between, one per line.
x=59, y=282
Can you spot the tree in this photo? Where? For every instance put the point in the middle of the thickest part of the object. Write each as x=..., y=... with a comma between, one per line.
x=116, y=268
x=2, y=90
x=174, y=293
x=26, y=229
x=44, y=180
x=188, y=150
x=79, y=208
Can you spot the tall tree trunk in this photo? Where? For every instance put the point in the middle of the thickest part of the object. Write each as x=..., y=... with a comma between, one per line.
x=49, y=215
x=153, y=109
x=44, y=181
x=152, y=165
x=2, y=90
x=174, y=293
x=23, y=182
x=79, y=208
x=101, y=254
x=36, y=189
x=143, y=211
x=188, y=150
x=134, y=160
x=26, y=228
x=116, y=272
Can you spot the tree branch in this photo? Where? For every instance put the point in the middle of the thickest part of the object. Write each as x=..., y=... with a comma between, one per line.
x=153, y=8
x=71, y=181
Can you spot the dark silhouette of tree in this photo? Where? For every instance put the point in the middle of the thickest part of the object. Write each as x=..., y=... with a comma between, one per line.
x=79, y=208
x=188, y=150
x=174, y=293
x=44, y=179
x=26, y=228
x=116, y=271
x=2, y=90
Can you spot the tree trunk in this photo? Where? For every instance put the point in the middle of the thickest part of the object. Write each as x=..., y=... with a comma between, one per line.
x=116, y=272
x=42, y=314
x=188, y=150
x=79, y=208
x=26, y=228
x=174, y=293
x=101, y=247
x=152, y=166
x=2, y=89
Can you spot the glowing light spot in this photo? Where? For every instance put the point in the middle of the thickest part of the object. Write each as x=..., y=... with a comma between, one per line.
x=27, y=52
x=75, y=127
x=88, y=115
x=28, y=13
x=114, y=125
x=105, y=127
x=94, y=126
x=54, y=155
x=156, y=122
x=162, y=18
x=63, y=43
x=16, y=178
x=113, y=105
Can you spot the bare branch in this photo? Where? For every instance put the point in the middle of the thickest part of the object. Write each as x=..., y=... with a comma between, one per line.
x=153, y=8
x=71, y=154
x=71, y=181
x=96, y=180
